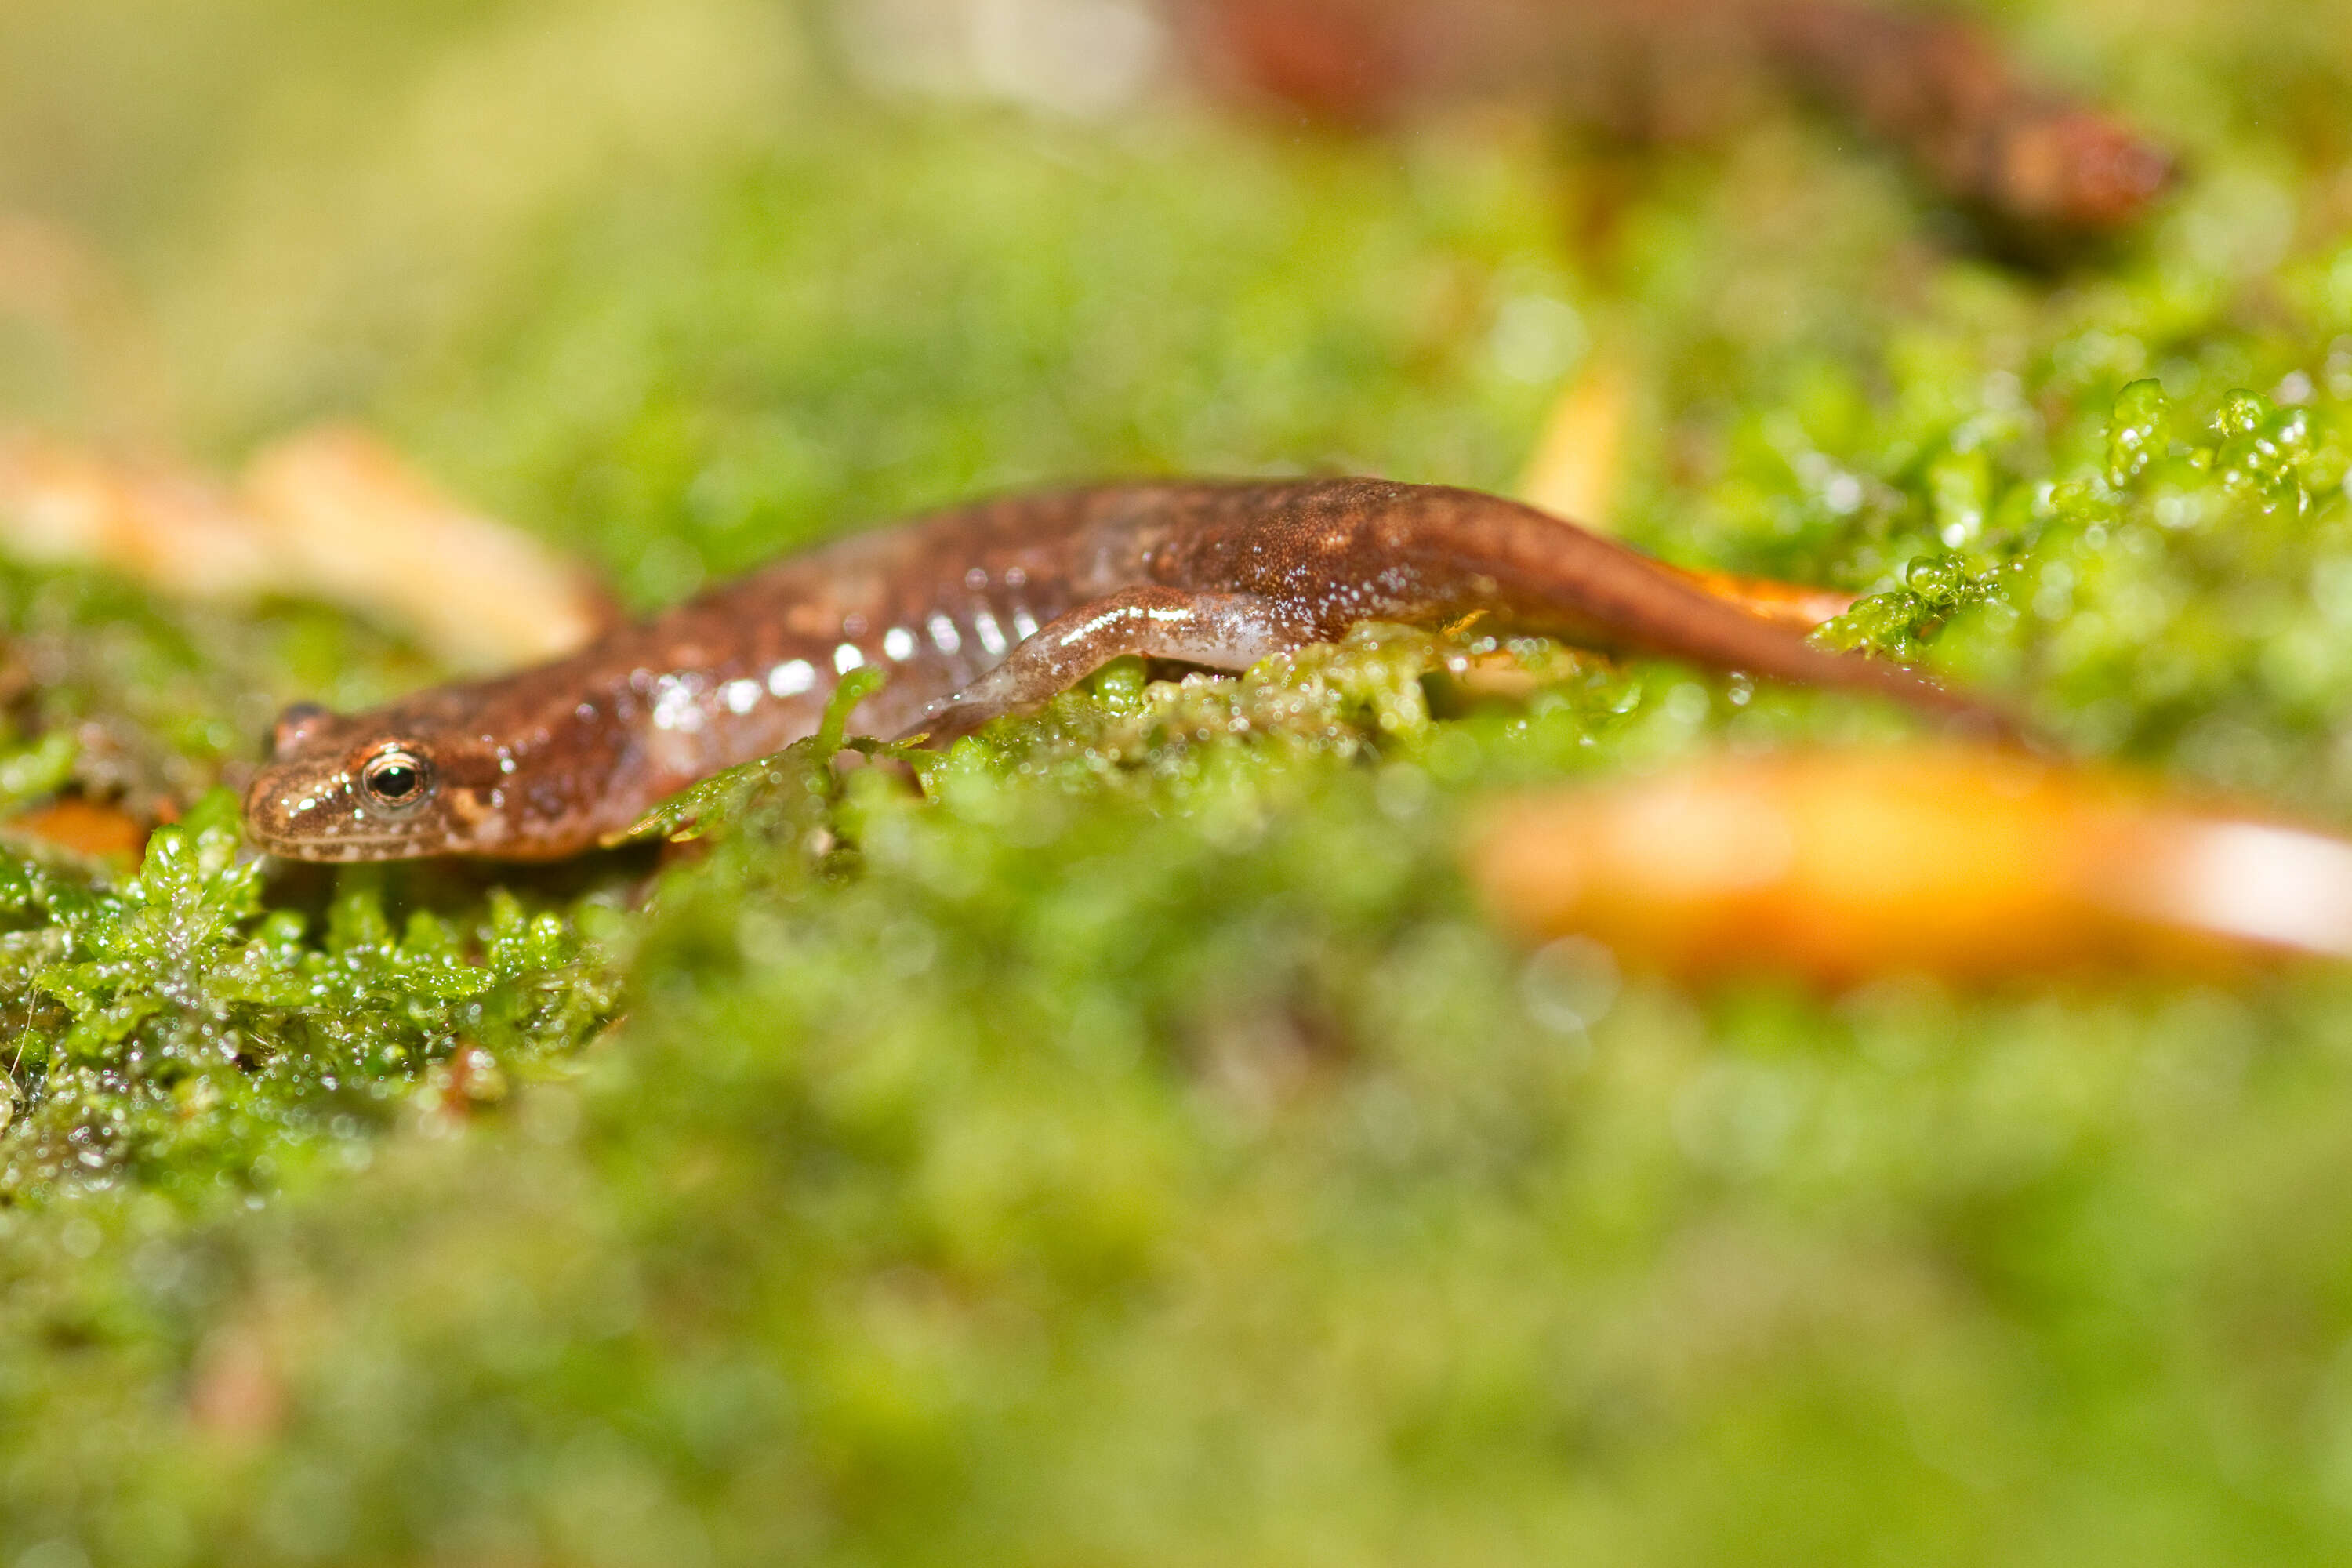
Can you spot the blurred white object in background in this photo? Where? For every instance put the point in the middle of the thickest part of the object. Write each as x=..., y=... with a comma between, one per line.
x=1082, y=58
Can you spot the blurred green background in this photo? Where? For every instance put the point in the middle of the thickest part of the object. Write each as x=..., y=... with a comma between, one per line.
x=1147, y=1154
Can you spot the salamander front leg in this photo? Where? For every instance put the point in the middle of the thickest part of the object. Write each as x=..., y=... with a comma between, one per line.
x=1223, y=631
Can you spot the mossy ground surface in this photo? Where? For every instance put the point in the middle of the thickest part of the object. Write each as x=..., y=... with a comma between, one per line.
x=1137, y=1148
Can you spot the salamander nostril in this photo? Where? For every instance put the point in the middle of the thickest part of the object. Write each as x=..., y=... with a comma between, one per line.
x=296, y=725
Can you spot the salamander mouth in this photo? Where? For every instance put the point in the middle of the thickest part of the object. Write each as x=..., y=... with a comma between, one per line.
x=347, y=849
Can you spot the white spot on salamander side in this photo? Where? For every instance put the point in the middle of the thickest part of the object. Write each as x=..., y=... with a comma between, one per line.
x=1024, y=621
x=944, y=635
x=740, y=696
x=990, y=635
x=899, y=642
x=677, y=703
x=846, y=657
x=791, y=678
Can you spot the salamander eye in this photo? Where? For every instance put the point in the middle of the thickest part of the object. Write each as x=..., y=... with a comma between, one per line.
x=396, y=779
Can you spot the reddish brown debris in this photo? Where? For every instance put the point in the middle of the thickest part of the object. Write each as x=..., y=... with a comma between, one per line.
x=1945, y=94
x=1977, y=125
x=87, y=827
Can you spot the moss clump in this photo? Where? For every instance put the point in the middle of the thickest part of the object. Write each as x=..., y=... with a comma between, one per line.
x=178, y=1033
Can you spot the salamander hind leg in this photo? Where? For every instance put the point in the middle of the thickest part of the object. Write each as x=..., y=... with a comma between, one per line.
x=1223, y=631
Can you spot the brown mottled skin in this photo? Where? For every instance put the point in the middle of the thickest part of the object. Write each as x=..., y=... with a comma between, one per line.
x=976, y=612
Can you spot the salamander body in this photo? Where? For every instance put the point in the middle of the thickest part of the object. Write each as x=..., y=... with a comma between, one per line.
x=974, y=613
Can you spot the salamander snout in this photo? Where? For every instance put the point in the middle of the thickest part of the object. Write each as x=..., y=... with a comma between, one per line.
x=330, y=791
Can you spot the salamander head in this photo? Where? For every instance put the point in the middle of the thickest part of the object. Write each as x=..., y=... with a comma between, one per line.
x=381, y=786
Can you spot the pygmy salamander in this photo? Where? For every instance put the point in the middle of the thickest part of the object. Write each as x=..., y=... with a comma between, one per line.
x=976, y=612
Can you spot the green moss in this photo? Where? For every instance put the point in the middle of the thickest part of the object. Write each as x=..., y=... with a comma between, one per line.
x=179, y=1036
x=1132, y=1144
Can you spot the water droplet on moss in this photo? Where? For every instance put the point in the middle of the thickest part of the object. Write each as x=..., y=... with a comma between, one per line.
x=1939, y=580
x=2141, y=428
x=2242, y=412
